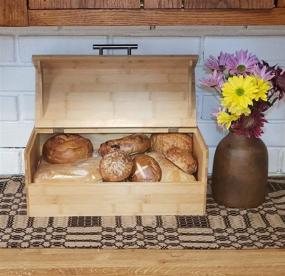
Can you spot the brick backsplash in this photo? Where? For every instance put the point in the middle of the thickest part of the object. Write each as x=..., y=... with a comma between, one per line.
x=17, y=83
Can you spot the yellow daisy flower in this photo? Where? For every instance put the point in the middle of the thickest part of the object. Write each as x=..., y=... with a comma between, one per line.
x=226, y=119
x=238, y=94
x=263, y=87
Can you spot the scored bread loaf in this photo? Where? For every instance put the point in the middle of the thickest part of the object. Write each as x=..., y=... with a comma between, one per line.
x=66, y=148
x=145, y=169
x=170, y=172
x=131, y=144
x=116, y=166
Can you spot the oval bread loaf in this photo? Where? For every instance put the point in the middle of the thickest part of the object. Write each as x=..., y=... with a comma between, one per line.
x=162, y=142
x=131, y=144
x=170, y=172
x=66, y=148
x=182, y=159
x=176, y=147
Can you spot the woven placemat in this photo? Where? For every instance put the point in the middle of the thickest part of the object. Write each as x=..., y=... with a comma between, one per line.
x=221, y=228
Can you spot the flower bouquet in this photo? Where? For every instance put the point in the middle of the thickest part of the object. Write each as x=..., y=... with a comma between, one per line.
x=248, y=88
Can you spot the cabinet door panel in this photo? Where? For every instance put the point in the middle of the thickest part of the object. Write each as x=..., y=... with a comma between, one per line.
x=84, y=4
x=13, y=13
x=229, y=4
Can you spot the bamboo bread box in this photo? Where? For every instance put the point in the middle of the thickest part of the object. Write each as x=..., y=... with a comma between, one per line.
x=106, y=97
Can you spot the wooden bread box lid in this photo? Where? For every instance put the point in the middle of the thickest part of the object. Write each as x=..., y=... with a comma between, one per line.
x=115, y=91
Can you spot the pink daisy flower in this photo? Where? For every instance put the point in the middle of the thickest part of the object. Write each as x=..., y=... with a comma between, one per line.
x=220, y=63
x=242, y=63
x=215, y=80
x=263, y=72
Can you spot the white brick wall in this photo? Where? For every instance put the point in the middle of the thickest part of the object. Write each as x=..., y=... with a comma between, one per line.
x=17, y=81
x=7, y=49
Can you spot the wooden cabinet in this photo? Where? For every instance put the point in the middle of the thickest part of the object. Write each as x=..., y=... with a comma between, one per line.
x=141, y=12
x=151, y=4
x=84, y=4
x=229, y=4
x=13, y=13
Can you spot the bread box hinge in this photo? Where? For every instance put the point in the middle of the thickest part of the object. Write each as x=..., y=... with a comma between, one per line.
x=58, y=130
x=173, y=130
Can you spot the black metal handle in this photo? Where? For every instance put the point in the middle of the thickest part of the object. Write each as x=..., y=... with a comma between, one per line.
x=102, y=47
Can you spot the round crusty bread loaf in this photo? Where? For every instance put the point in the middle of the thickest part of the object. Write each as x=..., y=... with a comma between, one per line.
x=170, y=172
x=67, y=148
x=182, y=159
x=145, y=169
x=116, y=166
x=176, y=147
x=162, y=142
x=131, y=144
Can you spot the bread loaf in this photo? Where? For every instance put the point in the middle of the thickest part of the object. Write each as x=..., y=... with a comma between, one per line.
x=162, y=142
x=116, y=166
x=66, y=148
x=176, y=147
x=145, y=169
x=169, y=172
x=182, y=159
x=84, y=171
x=131, y=144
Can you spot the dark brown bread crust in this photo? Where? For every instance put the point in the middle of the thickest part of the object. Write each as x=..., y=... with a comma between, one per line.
x=146, y=169
x=67, y=148
x=116, y=166
x=131, y=144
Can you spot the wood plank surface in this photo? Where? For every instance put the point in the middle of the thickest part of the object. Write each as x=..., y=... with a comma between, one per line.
x=229, y=4
x=162, y=4
x=50, y=262
x=281, y=3
x=151, y=17
x=13, y=13
x=134, y=91
x=86, y=4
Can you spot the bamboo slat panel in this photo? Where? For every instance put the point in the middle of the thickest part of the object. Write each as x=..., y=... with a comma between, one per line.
x=154, y=91
x=114, y=199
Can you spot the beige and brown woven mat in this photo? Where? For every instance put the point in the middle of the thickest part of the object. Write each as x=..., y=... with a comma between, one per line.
x=221, y=228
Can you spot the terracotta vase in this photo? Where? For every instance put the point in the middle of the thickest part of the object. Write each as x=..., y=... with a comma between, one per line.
x=240, y=172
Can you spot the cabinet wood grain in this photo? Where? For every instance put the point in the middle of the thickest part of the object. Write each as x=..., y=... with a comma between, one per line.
x=84, y=4
x=152, y=17
x=281, y=3
x=13, y=13
x=229, y=4
x=162, y=4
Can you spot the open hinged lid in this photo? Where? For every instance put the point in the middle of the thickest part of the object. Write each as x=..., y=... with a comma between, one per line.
x=115, y=91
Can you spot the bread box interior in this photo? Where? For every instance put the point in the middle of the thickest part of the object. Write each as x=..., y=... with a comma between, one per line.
x=106, y=97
